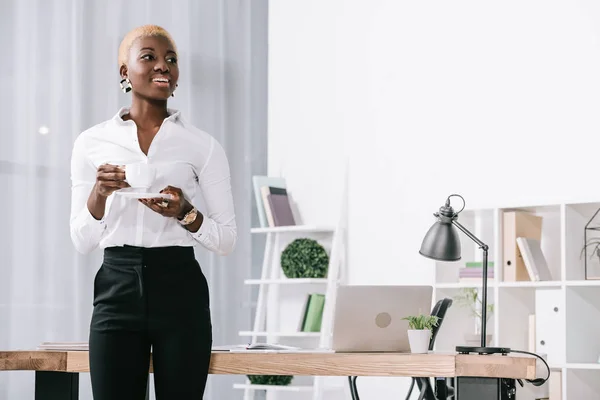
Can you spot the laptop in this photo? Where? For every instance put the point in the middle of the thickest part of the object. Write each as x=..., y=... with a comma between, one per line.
x=369, y=318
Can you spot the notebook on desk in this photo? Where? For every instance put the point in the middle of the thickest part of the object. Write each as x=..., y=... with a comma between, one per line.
x=267, y=348
x=369, y=318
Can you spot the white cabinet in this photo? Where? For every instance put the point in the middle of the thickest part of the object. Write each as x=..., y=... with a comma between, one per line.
x=549, y=324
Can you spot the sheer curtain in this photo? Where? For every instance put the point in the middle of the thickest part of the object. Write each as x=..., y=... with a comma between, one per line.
x=60, y=77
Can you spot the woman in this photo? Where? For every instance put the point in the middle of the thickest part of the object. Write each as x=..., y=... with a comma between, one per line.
x=150, y=295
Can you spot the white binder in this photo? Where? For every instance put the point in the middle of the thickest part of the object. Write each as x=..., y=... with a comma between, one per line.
x=549, y=316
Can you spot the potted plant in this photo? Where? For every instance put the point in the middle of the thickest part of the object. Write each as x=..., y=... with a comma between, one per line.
x=280, y=380
x=419, y=332
x=469, y=298
x=304, y=258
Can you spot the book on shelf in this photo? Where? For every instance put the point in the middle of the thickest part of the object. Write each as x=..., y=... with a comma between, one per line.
x=312, y=315
x=273, y=202
x=555, y=385
x=64, y=346
x=478, y=264
x=258, y=181
x=531, y=345
x=471, y=280
x=277, y=206
x=473, y=274
x=534, y=260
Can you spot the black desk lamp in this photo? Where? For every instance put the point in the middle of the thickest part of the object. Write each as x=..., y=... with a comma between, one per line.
x=442, y=243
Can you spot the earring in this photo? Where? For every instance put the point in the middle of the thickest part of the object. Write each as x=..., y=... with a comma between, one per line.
x=126, y=85
x=173, y=94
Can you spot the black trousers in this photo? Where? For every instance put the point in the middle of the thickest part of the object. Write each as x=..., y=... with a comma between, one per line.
x=150, y=300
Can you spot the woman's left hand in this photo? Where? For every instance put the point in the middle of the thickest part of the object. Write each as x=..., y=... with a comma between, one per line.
x=176, y=207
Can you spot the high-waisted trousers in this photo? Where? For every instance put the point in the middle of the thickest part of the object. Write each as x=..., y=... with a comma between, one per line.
x=150, y=304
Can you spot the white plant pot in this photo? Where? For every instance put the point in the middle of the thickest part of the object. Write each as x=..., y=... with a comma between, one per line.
x=418, y=339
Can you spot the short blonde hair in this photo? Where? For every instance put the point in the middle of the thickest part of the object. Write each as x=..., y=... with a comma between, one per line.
x=140, y=32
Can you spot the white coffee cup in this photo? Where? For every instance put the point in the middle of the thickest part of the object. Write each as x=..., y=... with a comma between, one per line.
x=139, y=175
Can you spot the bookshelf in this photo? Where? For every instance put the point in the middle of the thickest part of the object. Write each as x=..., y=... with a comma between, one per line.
x=566, y=325
x=295, y=228
x=281, y=301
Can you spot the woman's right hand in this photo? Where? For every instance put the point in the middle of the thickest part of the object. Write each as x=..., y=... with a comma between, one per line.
x=108, y=179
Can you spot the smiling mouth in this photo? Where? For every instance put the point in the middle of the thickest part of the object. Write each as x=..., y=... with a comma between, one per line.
x=162, y=82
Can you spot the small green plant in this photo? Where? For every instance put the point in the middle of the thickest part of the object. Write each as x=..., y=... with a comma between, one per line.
x=421, y=321
x=281, y=380
x=469, y=298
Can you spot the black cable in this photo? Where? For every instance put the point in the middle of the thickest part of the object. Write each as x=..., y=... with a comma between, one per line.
x=537, y=381
x=354, y=388
x=422, y=394
x=463, y=200
x=410, y=389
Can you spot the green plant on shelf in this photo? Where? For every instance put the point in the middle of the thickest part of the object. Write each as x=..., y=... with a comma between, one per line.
x=421, y=322
x=304, y=258
x=469, y=298
x=280, y=380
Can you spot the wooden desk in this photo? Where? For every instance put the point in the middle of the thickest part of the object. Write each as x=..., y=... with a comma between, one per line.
x=58, y=370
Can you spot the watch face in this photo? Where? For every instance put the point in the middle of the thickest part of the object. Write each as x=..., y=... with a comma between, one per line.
x=190, y=217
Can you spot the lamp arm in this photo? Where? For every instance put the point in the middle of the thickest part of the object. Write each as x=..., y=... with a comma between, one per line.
x=485, y=249
x=479, y=243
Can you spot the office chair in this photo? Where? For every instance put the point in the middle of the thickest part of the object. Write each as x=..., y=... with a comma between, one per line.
x=424, y=384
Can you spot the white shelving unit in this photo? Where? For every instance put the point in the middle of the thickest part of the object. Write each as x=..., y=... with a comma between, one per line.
x=291, y=388
x=572, y=342
x=280, y=302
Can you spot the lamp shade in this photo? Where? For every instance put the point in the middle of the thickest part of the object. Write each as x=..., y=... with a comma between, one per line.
x=441, y=242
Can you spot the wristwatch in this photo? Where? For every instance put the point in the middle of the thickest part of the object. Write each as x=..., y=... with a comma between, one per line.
x=189, y=217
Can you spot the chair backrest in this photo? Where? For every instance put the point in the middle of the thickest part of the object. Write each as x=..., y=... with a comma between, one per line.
x=439, y=310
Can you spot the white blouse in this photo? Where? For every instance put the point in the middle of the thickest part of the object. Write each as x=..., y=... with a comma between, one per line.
x=184, y=157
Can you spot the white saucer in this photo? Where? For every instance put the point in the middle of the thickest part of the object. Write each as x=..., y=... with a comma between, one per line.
x=144, y=195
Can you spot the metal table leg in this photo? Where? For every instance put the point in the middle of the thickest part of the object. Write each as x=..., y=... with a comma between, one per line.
x=353, y=390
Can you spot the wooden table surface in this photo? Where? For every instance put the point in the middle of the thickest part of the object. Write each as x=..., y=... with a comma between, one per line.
x=302, y=364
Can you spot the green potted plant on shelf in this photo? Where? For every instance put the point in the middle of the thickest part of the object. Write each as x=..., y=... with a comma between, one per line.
x=304, y=258
x=469, y=298
x=419, y=331
x=280, y=380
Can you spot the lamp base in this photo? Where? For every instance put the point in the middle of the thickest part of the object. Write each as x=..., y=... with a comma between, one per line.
x=482, y=350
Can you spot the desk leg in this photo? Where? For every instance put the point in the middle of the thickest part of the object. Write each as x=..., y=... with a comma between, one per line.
x=353, y=390
x=50, y=385
x=474, y=388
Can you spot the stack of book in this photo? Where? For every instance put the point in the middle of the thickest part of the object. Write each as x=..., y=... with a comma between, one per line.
x=472, y=272
x=64, y=346
x=313, y=313
x=272, y=201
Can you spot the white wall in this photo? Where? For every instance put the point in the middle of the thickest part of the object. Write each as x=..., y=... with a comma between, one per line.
x=499, y=102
